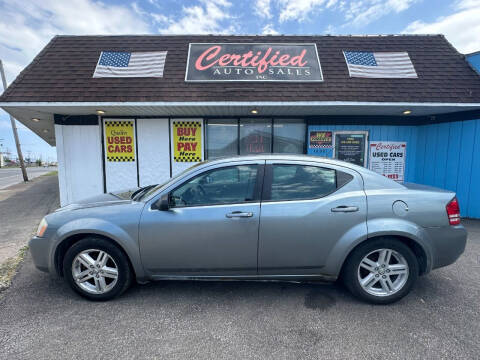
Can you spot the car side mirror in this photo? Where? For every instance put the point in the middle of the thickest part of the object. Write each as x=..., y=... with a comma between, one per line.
x=162, y=204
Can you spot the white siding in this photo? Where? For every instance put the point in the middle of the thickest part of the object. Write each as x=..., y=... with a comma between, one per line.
x=79, y=155
x=153, y=151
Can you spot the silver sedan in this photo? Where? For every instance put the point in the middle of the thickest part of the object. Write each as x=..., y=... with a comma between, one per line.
x=269, y=217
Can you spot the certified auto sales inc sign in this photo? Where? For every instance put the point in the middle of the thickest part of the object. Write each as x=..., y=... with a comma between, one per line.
x=253, y=62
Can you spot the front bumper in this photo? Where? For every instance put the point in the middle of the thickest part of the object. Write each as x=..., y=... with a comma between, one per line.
x=40, y=249
x=448, y=244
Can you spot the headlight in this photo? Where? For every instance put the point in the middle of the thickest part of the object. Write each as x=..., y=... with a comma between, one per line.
x=42, y=227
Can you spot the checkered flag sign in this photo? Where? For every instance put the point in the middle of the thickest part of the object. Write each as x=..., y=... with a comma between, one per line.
x=187, y=136
x=315, y=146
x=120, y=141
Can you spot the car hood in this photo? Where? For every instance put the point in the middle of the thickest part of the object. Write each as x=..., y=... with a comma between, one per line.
x=109, y=199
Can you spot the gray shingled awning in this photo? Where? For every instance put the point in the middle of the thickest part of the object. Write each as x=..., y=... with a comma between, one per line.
x=59, y=80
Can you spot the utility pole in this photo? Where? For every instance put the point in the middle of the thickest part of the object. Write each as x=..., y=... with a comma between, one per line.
x=1, y=152
x=14, y=129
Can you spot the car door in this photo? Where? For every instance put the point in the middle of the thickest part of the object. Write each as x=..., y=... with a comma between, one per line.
x=211, y=226
x=306, y=209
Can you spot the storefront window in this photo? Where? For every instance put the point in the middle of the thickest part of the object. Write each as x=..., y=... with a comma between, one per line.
x=289, y=136
x=255, y=136
x=222, y=138
x=230, y=137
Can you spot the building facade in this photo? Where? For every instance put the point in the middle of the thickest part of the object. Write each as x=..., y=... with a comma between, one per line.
x=128, y=111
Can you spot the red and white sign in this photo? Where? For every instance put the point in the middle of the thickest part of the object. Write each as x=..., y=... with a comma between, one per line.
x=387, y=158
x=253, y=62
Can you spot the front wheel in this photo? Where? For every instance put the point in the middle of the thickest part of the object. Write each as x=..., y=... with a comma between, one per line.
x=96, y=269
x=381, y=271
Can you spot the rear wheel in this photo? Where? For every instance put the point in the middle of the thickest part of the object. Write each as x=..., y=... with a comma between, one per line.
x=381, y=271
x=97, y=269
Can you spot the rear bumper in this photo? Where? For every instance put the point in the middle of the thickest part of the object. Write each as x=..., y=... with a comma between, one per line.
x=39, y=248
x=448, y=243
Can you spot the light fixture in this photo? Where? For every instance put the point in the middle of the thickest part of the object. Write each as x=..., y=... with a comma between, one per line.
x=100, y=112
x=36, y=119
x=254, y=111
x=45, y=131
x=407, y=112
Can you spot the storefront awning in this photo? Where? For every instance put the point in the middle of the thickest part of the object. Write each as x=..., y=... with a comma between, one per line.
x=44, y=112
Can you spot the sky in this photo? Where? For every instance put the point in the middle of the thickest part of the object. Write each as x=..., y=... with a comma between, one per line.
x=26, y=27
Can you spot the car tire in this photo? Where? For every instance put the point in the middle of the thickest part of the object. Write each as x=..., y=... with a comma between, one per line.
x=369, y=276
x=102, y=269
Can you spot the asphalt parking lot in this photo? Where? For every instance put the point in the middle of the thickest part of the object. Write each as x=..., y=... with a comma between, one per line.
x=41, y=318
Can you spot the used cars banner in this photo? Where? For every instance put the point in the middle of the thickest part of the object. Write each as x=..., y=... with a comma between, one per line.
x=120, y=140
x=387, y=158
x=253, y=62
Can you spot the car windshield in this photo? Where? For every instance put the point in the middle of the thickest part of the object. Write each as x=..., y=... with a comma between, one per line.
x=146, y=195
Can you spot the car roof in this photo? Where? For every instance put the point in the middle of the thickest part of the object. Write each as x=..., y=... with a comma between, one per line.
x=371, y=179
x=293, y=157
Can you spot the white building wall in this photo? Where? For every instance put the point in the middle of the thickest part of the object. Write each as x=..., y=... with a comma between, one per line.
x=79, y=155
x=153, y=151
x=82, y=166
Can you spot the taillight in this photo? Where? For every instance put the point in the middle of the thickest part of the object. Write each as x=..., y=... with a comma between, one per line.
x=453, y=212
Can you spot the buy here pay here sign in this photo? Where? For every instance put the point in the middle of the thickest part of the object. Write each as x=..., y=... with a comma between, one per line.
x=187, y=141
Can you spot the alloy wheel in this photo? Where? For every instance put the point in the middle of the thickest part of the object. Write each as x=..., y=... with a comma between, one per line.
x=383, y=272
x=94, y=271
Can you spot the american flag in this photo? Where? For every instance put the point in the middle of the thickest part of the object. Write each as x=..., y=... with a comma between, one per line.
x=379, y=64
x=130, y=64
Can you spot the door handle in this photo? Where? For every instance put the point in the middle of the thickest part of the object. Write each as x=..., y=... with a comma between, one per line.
x=344, y=208
x=239, y=214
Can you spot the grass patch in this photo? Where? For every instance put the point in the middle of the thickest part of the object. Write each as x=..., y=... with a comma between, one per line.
x=51, y=173
x=9, y=268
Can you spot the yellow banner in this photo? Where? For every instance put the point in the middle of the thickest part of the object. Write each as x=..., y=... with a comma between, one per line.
x=187, y=141
x=120, y=140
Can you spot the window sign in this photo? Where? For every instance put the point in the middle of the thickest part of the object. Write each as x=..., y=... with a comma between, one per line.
x=253, y=62
x=387, y=158
x=255, y=136
x=187, y=141
x=350, y=146
x=120, y=140
x=320, y=142
x=120, y=153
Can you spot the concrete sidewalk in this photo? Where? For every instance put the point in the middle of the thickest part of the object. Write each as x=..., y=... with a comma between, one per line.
x=22, y=206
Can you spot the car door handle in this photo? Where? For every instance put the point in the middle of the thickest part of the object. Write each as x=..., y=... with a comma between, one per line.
x=239, y=214
x=345, y=209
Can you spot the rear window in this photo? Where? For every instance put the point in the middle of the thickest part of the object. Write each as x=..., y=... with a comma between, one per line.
x=297, y=182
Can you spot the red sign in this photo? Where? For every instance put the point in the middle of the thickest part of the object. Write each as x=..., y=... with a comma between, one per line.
x=253, y=62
